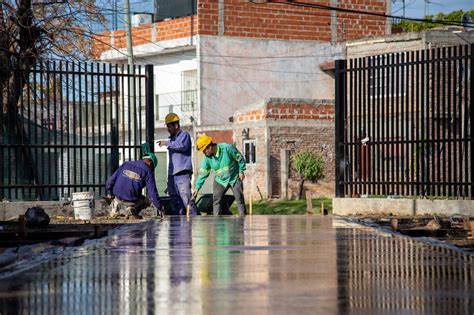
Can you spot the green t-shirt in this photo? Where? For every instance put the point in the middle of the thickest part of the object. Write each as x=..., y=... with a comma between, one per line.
x=227, y=164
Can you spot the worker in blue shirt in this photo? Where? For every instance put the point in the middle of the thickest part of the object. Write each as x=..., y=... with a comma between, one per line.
x=180, y=167
x=126, y=184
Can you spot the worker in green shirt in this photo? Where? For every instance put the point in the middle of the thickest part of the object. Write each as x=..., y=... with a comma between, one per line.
x=229, y=165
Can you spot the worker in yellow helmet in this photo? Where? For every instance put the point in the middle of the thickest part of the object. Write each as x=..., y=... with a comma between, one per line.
x=180, y=168
x=228, y=165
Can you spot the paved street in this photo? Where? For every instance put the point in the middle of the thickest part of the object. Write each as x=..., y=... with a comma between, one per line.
x=255, y=265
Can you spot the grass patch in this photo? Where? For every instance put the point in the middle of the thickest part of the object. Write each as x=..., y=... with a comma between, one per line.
x=275, y=206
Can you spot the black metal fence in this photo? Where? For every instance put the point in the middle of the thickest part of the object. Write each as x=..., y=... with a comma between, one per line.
x=404, y=124
x=70, y=126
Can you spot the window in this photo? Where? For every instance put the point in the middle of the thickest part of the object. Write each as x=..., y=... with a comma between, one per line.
x=388, y=75
x=189, y=90
x=249, y=151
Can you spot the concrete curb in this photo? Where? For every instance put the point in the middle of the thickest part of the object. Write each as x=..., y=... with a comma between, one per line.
x=351, y=206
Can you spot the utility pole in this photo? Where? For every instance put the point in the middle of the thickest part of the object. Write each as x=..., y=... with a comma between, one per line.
x=128, y=33
x=131, y=81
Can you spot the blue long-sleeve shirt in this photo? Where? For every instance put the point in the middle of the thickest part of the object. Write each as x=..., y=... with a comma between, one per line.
x=179, y=148
x=129, y=179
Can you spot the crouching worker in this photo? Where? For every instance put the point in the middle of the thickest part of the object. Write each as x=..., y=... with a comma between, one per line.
x=126, y=183
x=228, y=165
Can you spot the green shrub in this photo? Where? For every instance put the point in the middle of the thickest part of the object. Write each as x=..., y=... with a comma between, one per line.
x=309, y=166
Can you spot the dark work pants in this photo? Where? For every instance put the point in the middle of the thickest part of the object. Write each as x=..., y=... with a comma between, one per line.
x=219, y=192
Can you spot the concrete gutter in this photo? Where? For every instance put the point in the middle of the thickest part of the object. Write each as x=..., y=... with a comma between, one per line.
x=351, y=206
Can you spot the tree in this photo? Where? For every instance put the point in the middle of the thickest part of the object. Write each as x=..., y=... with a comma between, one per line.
x=309, y=166
x=412, y=26
x=29, y=31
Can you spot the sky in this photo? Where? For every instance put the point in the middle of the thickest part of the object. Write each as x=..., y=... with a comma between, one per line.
x=416, y=8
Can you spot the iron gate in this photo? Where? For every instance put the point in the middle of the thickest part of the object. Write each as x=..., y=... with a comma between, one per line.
x=72, y=124
x=404, y=124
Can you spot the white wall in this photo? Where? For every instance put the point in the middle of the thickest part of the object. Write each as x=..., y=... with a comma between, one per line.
x=235, y=72
x=168, y=76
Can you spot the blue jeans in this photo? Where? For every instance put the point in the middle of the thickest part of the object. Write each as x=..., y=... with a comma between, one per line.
x=179, y=189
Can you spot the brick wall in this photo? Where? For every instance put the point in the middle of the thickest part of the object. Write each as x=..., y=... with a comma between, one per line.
x=290, y=110
x=243, y=18
x=287, y=124
x=218, y=136
x=146, y=34
x=318, y=138
x=353, y=26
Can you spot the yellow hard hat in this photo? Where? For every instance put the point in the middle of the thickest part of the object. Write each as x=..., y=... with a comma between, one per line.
x=171, y=118
x=203, y=142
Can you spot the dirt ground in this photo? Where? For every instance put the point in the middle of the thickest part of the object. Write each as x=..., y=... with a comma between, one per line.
x=454, y=230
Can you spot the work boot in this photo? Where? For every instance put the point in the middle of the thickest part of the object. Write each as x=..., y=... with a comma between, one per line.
x=132, y=213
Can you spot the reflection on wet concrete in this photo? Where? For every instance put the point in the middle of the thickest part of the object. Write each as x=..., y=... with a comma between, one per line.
x=253, y=265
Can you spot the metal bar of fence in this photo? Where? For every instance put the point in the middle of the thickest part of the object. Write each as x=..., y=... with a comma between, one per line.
x=68, y=132
x=55, y=127
x=359, y=123
x=442, y=119
x=99, y=127
x=46, y=125
x=384, y=92
x=416, y=89
x=431, y=127
x=406, y=108
x=123, y=122
x=419, y=136
x=411, y=121
x=392, y=122
x=471, y=118
x=93, y=106
x=424, y=125
x=29, y=119
x=465, y=122
x=454, y=118
x=57, y=107
x=365, y=114
x=61, y=127
x=2, y=149
x=400, y=121
x=150, y=117
x=104, y=91
x=340, y=96
x=19, y=174
x=436, y=124
x=448, y=122
x=377, y=136
x=129, y=112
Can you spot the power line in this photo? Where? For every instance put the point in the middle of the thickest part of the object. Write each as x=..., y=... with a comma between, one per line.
x=354, y=11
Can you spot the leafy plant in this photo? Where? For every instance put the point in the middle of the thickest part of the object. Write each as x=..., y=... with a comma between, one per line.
x=309, y=166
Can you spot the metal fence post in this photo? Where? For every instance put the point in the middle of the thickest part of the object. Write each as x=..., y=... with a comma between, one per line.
x=471, y=118
x=150, y=116
x=340, y=110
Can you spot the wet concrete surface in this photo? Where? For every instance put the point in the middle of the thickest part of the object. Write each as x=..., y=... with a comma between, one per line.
x=252, y=265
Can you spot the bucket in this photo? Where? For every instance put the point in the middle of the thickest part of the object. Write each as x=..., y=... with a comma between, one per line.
x=83, y=204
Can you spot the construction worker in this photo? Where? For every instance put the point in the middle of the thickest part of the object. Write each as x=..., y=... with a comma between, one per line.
x=229, y=167
x=180, y=167
x=126, y=183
